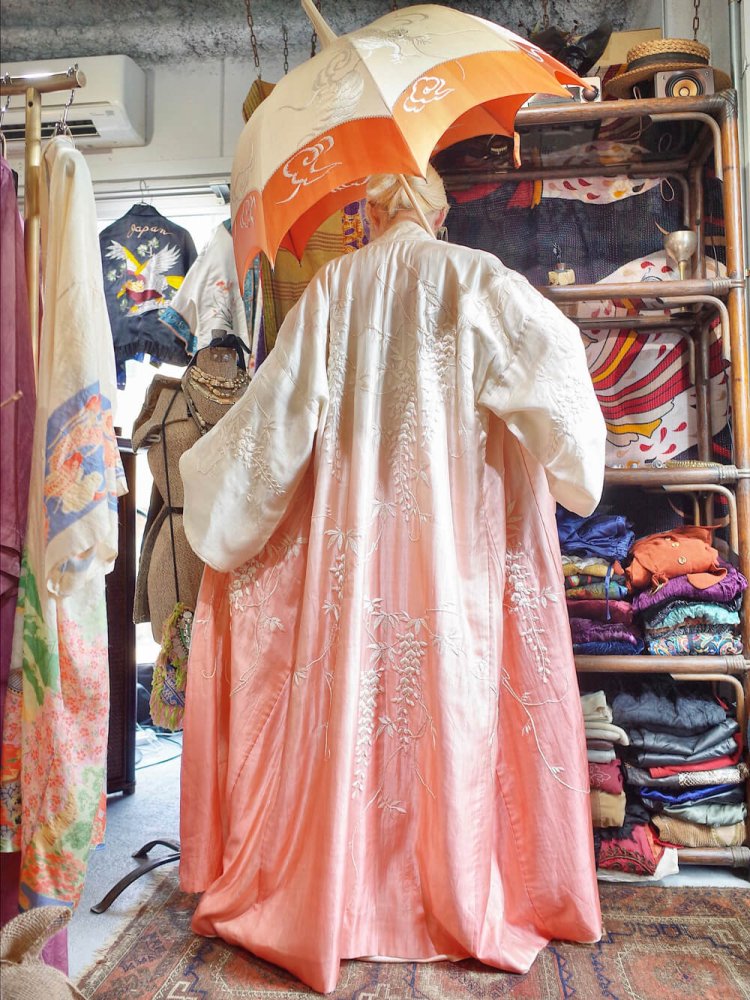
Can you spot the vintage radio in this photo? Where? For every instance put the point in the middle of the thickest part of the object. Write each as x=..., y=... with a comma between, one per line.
x=591, y=94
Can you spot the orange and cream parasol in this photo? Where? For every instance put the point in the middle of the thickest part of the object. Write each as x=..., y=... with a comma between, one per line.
x=381, y=99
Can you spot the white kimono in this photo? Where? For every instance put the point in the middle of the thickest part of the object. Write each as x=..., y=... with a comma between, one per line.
x=53, y=796
x=383, y=728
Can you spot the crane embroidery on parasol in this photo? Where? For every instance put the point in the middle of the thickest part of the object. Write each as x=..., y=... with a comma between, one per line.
x=458, y=75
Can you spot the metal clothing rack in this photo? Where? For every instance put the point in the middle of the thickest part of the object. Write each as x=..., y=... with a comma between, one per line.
x=32, y=87
x=219, y=189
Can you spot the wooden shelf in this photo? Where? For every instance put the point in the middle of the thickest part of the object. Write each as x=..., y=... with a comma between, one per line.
x=652, y=476
x=638, y=290
x=663, y=664
x=731, y=857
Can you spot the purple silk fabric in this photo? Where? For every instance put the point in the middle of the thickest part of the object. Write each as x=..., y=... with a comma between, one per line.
x=586, y=630
x=680, y=588
x=603, y=611
x=16, y=418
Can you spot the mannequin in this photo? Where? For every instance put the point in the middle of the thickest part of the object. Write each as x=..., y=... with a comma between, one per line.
x=186, y=408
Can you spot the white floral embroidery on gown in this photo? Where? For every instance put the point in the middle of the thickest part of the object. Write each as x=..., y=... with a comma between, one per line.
x=384, y=752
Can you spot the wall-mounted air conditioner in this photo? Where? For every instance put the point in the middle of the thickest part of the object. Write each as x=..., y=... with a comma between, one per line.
x=109, y=111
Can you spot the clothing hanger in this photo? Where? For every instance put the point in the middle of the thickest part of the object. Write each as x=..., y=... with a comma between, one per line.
x=61, y=126
x=146, y=197
x=3, y=109
x=12, y=399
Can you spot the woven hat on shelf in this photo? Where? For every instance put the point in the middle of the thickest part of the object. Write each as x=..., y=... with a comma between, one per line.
x=644, y=61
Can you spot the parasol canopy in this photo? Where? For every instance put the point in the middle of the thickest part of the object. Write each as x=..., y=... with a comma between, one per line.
x=381, y=99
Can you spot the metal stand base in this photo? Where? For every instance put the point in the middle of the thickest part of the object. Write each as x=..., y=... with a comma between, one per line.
x=141, y=855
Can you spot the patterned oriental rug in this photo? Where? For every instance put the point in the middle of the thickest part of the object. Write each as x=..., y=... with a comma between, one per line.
x=658, y=944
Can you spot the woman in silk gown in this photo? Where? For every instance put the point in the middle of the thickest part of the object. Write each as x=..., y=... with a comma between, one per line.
x=384, y=752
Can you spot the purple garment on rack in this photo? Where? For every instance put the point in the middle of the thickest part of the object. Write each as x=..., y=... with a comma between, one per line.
x=16, y=434
x=16, y=418
x=680, y=588
x=261, y=353
x=600, y=610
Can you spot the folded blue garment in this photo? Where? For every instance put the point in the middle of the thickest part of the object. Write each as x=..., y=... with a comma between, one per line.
x=607, y=535
x=715, y=793
x=608, y=648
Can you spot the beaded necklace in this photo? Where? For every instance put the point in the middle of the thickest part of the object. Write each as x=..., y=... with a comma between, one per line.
x=203, y=425
x=221, y=391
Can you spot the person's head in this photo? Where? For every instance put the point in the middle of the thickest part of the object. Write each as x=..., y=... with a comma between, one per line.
x=388, y=203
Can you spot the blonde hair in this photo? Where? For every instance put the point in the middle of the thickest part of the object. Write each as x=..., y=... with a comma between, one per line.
x=385, y=191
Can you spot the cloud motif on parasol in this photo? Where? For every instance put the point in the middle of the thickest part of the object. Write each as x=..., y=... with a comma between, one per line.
x=304, y=163
x=424, y=91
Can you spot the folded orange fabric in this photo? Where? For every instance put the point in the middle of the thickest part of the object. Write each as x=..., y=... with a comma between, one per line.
x=680, y=552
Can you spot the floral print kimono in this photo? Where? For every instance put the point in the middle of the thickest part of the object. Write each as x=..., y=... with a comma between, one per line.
x=53, y=788
x=384, y=750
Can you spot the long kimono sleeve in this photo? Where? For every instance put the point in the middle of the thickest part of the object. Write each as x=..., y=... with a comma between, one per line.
x=533, y=375
x=240, y=477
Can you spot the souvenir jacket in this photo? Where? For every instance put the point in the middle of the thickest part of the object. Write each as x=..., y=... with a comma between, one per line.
x=145, y=258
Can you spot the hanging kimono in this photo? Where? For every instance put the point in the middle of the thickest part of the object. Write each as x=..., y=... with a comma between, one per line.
x=16, y=415
x=210, y=302
x=52, y=798
x=384, y=752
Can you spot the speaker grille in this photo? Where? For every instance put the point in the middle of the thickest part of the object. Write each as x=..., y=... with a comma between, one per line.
x=696, y=82
x=685, y=85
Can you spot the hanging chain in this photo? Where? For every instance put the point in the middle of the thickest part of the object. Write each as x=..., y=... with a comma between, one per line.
x=285, y=35
x=696, y=19
x=253, y=39
x=545, y=13
x=314, y=36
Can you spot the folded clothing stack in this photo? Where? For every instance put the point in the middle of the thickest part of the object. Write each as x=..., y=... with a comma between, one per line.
x=605, y=770
x=683, y=762
x=686, y=597
x=601, y=618
x=625, y=845
x=633, y=851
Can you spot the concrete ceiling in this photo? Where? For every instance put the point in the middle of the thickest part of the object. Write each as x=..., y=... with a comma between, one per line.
x=176, y=30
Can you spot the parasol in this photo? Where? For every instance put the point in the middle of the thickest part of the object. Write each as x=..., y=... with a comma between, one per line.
x=381, y=99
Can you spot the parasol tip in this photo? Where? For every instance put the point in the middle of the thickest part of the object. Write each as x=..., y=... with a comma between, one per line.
x=324, y=31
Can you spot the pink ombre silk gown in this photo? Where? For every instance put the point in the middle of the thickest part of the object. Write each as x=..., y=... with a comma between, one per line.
x=384, y=752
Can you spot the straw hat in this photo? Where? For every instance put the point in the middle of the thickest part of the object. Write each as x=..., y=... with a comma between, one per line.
x=644, y=61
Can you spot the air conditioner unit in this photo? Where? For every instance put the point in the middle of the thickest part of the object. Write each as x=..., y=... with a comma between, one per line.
x=109, y=111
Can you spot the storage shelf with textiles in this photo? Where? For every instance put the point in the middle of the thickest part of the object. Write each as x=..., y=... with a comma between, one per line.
x=682, y=146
